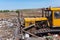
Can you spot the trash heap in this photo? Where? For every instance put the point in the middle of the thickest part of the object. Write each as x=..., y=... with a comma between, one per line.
x=9, y=29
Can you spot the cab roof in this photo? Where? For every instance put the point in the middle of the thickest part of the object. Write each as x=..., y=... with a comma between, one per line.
x=55, y=8
x=52, y=8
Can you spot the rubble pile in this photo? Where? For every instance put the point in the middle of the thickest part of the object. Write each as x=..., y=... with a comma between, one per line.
x=8, y=29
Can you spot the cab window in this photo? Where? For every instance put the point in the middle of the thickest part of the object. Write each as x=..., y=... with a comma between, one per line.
x=57, y=14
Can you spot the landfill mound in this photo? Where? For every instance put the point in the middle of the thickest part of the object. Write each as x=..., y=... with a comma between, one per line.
x=8, y=29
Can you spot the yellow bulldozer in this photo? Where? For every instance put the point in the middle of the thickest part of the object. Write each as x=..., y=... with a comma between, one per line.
x=50, y=19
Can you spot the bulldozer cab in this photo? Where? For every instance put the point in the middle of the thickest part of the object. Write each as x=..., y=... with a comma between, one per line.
x=53, y=15
x=56, y=17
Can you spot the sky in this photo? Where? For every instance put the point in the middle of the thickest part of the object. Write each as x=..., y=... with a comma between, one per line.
x=27, y=4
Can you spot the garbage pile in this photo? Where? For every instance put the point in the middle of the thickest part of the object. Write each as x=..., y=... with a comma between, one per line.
x=48, y=37
x=8, y=29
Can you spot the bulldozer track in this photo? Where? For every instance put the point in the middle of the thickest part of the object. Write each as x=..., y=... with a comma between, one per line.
x=46, y=31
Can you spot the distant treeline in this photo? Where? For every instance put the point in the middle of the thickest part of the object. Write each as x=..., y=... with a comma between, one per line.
x=9, y=10
x=5, y=11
